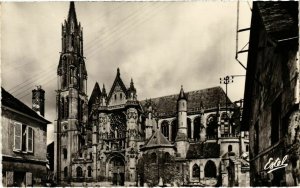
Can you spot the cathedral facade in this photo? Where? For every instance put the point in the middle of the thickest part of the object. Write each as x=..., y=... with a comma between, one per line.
x=104, y=139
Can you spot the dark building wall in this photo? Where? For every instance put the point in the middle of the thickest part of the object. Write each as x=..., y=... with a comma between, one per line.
x=38, y=169
x=50, y=155
x=270, y=95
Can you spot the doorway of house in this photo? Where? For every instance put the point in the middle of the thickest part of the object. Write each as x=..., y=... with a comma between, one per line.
x=19, y=179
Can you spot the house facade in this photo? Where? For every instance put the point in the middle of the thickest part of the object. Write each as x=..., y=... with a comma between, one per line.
x=271, y=110
x=24, y=137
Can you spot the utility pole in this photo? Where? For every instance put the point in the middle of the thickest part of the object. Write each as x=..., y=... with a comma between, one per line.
x=226, y=80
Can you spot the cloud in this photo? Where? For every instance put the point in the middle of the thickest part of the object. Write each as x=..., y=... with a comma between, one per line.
x=161, y=45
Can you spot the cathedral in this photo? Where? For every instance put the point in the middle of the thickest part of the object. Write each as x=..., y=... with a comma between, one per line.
x=113, y=138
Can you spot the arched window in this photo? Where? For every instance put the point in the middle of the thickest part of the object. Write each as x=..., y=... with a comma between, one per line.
x=115, y=97
x=174, y=127
x=196, y=171
x=66, y=172
x=247, y=148
x=225, y=124
x=89, y=171
x=165, y=128
x=229, y=148
x=153, y=158
x=65, y=153
x=121, y=96
x=79, y=171
x=210, y=169
x=212, y=127
x=197, y=127
x=189, y=128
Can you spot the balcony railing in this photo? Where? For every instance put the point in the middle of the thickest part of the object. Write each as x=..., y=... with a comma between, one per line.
x=211, y=137
x=113, y=136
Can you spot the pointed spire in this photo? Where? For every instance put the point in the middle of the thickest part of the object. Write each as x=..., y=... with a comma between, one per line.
x=118, y=72
x=132, y=85
x=182, y=95
x=104, y=91
x=72, y=13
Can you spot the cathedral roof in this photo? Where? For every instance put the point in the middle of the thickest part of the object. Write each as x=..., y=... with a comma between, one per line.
x=8, y=100
x=203, y=150
x=95, y=93
x=206, y=98
x=157, y=140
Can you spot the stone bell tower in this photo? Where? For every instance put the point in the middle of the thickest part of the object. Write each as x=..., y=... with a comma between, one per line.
x=71, y=98
x=181, y=138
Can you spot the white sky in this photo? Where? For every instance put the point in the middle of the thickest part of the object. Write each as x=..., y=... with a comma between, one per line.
x=161, y=45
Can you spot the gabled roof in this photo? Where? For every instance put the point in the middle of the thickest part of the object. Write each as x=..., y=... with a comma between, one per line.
x=208, y=98
x=203, y=150
x=280, y=19
x=95, y=93
x=157, y=140
x=7, y=100
x=118, y=81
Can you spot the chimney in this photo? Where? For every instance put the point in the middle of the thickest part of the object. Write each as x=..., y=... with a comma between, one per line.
x=38, y=100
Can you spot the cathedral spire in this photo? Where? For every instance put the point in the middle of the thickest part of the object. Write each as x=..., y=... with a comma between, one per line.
x=132, y=85
x=72, y=14
x=104, y=91
x=118, y=72
x=131, y=92
x=182, y=95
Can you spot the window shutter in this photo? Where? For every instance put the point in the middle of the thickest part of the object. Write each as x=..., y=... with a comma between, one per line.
x=30, y=133
x=28, y=179
x=17, y=136
x=9, y=178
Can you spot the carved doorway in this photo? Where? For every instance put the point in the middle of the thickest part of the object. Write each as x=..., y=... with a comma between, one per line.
x=117, y=168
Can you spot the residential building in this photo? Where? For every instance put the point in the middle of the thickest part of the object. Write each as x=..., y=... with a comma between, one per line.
x=271, y=109
x=24, y=137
